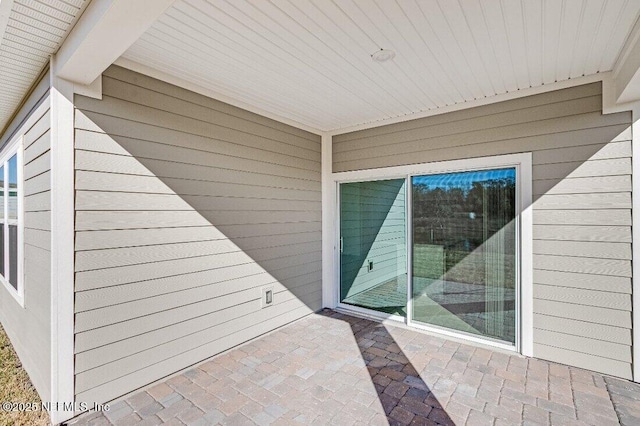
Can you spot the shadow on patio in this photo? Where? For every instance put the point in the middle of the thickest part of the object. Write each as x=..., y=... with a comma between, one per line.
x=313, y=372
x=403, y=395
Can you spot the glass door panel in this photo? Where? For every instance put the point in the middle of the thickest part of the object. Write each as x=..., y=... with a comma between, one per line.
x=373, y=245
x=464, y=252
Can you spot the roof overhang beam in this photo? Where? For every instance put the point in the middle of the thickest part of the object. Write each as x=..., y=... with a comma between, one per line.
x=626, y=72
x=104, y=32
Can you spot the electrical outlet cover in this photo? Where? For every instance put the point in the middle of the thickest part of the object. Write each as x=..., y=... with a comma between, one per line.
x=267, y=297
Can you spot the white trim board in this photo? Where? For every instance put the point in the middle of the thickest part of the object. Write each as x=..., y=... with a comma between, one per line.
x=106, y=29
x=523, y=164
x=62, y=245
x=370, y=314
x=476, y=163
x=635, y=247
x=399, y=322
x=93, y=90
x=328, y=217
x=625, y=71
x=525, y=236
x=627, y=49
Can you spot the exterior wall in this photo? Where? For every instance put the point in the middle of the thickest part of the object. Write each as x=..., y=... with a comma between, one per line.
x=29, y=327
x=186, y=208
x=581, y=209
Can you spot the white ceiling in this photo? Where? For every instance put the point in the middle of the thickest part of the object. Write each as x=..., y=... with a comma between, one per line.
x=33, y=31
x=309, y=60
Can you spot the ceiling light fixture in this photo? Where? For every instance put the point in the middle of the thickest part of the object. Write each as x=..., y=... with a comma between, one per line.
x=383, y=55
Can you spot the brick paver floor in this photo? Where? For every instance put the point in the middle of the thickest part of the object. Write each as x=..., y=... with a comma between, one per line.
x=335, y=369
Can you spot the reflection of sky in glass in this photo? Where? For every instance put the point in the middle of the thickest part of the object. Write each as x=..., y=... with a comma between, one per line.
x=13, y=170
x=13, y=184
x=463, y=180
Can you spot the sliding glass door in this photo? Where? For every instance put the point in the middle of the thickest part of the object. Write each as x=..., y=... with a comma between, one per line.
x=373, y=245
x=464, y=252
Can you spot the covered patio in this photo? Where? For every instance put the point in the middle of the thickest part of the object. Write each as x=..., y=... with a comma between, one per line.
x=209, y=203
x=330, y=368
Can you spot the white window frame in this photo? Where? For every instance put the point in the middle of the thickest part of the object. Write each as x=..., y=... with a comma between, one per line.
x=523, y=165
x=14, y=147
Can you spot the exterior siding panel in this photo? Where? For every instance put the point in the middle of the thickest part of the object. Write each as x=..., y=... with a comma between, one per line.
x=581, y=207
x=185, y=209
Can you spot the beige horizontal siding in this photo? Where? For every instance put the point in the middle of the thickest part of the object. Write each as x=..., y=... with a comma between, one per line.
x=91, y=240
x=586, y=232
x=38, y=238
x=238, y=117
x=114, y=295
x=228, y=335
x=585, y=185
x=595, y=152
x=97, y=181
x=620, y=251
x=185, y=209
x=583, y=359
x=269, y=162
x=606, y=350
x=586, y=281
x=606, y=333
x=108, y=163
x=211, y=312
x=38, y=184
x=38, y=166
x=111, y=258
x=581, y=207
x=122, y=367
x=595, y=266
x=244, y=290
x=107, y=201
x=139, y=326
x=579, y=296
x=576, y=169
x=593, y=217
x=89, y=280
x=598, y=315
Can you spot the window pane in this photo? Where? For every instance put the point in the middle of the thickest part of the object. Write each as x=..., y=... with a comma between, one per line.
x=464, y=251
x=12, y=219
x=373, y=260
x=13, y=188
x=13, y=256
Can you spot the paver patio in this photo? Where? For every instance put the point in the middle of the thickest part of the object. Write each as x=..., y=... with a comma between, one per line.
x=331, y=368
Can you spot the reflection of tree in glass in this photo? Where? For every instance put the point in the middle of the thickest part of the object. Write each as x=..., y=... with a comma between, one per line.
x=459, y=214
x=440, y=212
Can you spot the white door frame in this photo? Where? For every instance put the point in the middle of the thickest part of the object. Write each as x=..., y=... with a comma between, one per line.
x=524, y=292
